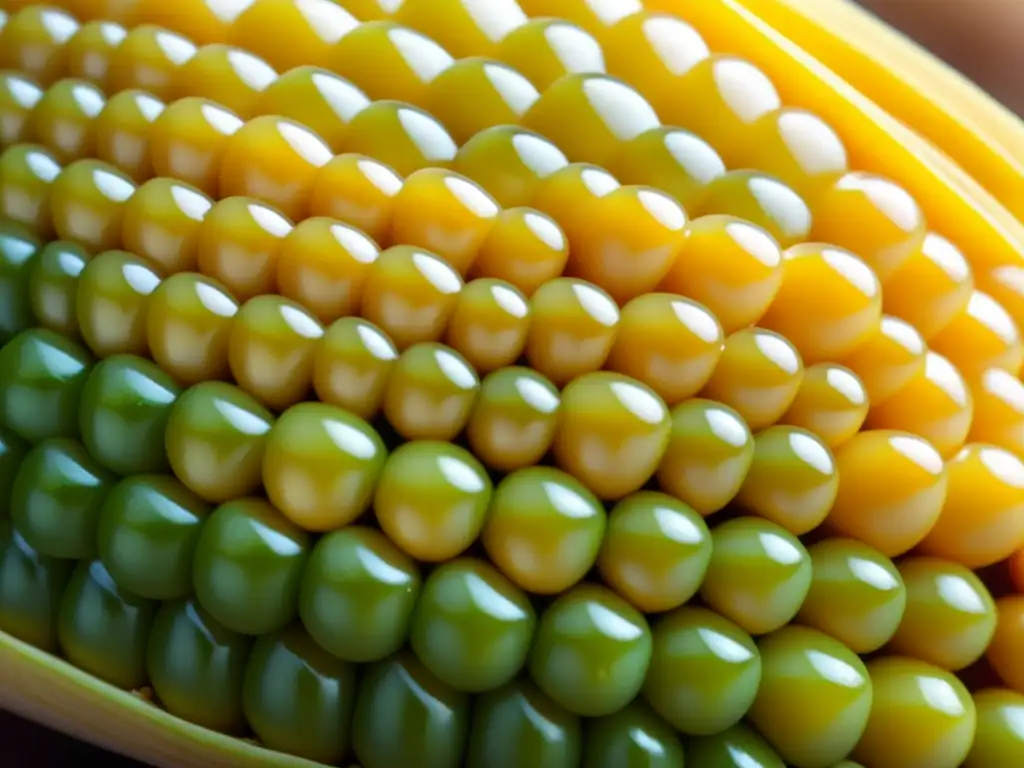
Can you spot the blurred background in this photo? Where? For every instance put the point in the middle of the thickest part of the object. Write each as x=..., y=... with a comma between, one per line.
x=982, y=38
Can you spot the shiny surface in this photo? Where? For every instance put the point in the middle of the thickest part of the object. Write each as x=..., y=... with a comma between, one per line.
x=123, y=137
x=633, y=736
x=352, y=364
x=401, y=136
x=33, y=41
x=998, y=411
x=832, y=403
x=87, y=204
x=358, y=191
x=761, y=199
x=187, y=141
x=18, y=248
x=112, y=301
x=1000, y=734
x=525, y=248
x=704, y=671
x=1003, y=652
x=63, y=120
x=509, y=162
x=150, y=58
x=893, y=356
x=26, y=173
x=759, y=574
x=489, y=324
x=161, y=224
x=232, y=77
x=545, y=49
x=982, y=336
x=312, y=28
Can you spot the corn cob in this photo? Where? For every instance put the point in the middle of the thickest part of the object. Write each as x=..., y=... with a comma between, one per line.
x=607, y=420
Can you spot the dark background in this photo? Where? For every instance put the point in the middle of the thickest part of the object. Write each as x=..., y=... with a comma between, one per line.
x=981, y=38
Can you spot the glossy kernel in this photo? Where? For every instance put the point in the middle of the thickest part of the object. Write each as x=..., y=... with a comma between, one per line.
x=572, y=329
x=41, y=378
x=401, y=136
x=26, y=173
x=89, y=51
x=189, y=319
x=216, y=437
x=489, y=324
x=893, y=356
x=34, y=41
x=980, y=337
x=544, y=529
x=472, y=627
x=998, y=411
x=161, y=224
x=709, y=453
x=999, y=737
x=758, y=375
x=358, y=593
x=509, y=162
x=871, y=217
x=248, y=564
x=321, y=466
x=239, y=244
x=196, y=666
x=545, y=49
x=232, y=77
x=187, y=142
x=591, y=651
x=112, y=303
x=275, y=160
x=920, y=716
x=704, y=671
x=669, y=343
x=950, y=616
x=792, y=481
x=151, y=59
x=1004, y=651
x=444, y=213
x=18, y=96
x=399, y=695
x=124, y=133
x=892, y=488
x=632, y=736
x=410, y=294
x=148, y=528
x=56, y=500
x=762, y=200
x=518, y=724
x=53, y=286
x=570, y=194
x=464, y=27
x=430, y=393
x=732, y=267
x=832, y=403
x=500, y=94
x=87, y=203
x=932, y=286
x=13, y=451
x=323, y=265
x=936, y=404
x=432, y=499
x=358, y=191
x=123, y=414
x=525, y=248
x=655, y=552
x=734, y=746
x=759, y=574
x=270, y=350
x=102, y=629
x=352, y=365
x=829, y=302
x=805, y=671
x=298, y=698
x=19, y=247
x=612, y=432
x=633, y=236
x=318, y=99
x=606, y=113
x=857, y=595
x=982, y=520
x=513, y=421
x=311, y=28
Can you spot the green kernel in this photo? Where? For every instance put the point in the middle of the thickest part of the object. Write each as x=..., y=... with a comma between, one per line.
x=298, y=698
x=12, y=452
x=999, y=739
x=57, y=498
x=407, y=717
x=358, y=593
x=18, y=246
x=704, y=671
x=472, y=626
x=248, y=565
x=633, y=737
x=103, y=629
x=123, y=415
x=196, y=666
x=53, y=286
x=148, y=529
x=30, y=589
x=41, y=379
x=519, y=725
x=736, y=747
x=591, y=651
